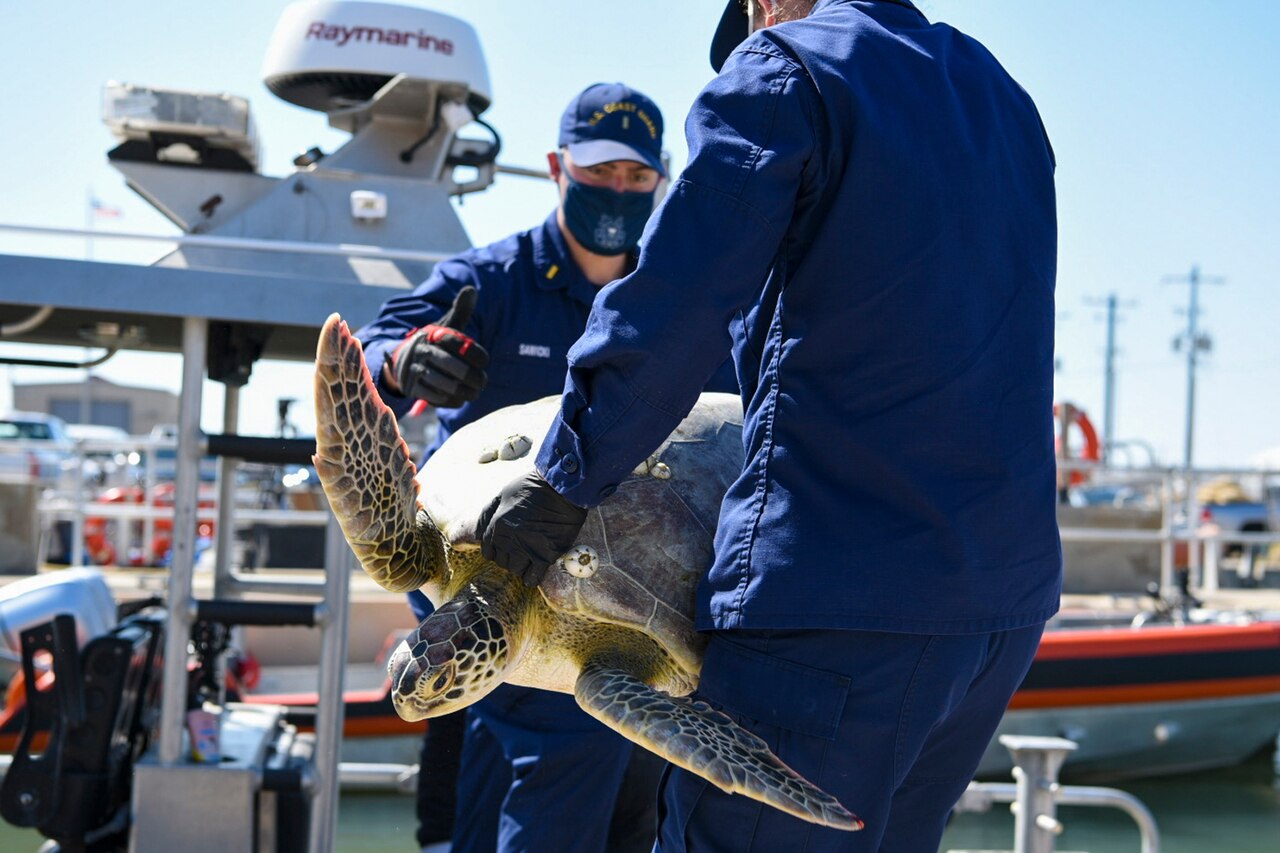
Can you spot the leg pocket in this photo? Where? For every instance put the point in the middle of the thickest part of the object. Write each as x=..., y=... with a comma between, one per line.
x=740, y=673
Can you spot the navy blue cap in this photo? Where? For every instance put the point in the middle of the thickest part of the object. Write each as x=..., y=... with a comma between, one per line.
x=731, y=32
x=610, y=121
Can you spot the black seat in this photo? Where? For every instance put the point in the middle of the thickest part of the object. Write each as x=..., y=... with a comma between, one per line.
x=100, y=715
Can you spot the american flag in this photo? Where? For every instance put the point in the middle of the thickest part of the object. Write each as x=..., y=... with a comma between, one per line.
x=103, y=210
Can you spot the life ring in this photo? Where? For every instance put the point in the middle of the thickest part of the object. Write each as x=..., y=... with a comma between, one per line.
x=1091, y=451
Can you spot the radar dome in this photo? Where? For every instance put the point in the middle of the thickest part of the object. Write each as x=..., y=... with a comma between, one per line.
x=328, y=55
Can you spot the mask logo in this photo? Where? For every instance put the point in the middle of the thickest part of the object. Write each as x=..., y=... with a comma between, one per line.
x=611, y=233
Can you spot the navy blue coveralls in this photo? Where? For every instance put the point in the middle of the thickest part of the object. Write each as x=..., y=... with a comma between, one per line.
x=868, y=218
x=529, y=755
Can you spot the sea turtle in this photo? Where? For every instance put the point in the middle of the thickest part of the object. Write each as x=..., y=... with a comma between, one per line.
x=611, y=623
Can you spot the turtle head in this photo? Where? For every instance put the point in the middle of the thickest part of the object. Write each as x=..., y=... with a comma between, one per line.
x=454, y=658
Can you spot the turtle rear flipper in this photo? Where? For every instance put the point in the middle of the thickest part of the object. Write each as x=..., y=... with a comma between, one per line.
x=704, y=741
x=366, y=471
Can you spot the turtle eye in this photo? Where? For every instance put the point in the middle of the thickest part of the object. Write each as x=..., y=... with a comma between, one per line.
x=441, y=681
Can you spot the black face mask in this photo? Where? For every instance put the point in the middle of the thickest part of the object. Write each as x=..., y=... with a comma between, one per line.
x=603, y=221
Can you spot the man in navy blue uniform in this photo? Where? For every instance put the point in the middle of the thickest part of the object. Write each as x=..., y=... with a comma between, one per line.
x=868, y=220
x=491, y=328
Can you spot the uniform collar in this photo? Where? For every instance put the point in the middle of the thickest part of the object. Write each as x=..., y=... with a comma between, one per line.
x=904, y=3
x=555, y=266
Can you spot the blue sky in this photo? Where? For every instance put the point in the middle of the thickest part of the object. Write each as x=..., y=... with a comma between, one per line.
x=1165, y=117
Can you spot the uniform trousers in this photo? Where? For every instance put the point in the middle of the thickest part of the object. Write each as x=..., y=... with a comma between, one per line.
x=892, y=724
x=540, y=776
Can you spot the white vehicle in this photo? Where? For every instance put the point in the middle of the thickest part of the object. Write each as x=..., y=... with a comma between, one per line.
x=36, y=446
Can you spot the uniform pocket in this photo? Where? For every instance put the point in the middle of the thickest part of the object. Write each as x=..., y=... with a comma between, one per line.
x=741, y=677
x=526, y=378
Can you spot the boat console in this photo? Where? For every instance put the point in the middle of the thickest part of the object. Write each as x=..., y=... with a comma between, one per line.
x=88, y=705
x=262, y=262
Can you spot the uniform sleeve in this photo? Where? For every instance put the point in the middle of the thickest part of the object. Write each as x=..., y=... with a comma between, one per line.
x=401, y=315
x=655, y=337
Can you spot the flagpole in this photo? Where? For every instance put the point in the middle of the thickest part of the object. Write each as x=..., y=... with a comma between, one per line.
x=86, y=388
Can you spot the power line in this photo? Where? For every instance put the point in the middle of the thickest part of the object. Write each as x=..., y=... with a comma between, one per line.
x=1195, y=342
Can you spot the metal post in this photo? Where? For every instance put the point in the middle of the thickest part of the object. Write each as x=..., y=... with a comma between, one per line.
x=1109, y=384
x=1036, y=764
x=173, y=702
x=148, y=497
x=1194, y=541
x=1166, y=534
x=1209, y=580
x=979, y=796
x=77, y=523
x=225, y=529
x=1193, y=346
x=224, y=540
x=339, y=563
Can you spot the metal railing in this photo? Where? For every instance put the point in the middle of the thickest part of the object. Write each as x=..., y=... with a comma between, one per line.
x=1036, y=794
x=70, y=496
x=243, y=243
x=1173, y=493
x=1169, y=491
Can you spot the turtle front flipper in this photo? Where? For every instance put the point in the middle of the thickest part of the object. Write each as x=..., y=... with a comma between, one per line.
x=366, y=471
x=695, y=736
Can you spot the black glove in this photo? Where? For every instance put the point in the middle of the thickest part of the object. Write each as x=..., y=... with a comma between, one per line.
x=528, y=527
x=440, y=364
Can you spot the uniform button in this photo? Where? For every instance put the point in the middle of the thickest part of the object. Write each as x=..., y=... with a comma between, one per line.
x=570, y=463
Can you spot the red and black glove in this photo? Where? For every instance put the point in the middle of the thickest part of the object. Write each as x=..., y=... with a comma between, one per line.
x=440, y=364
x=529, y=526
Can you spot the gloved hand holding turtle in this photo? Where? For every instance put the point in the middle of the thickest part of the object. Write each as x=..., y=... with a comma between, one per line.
x=528, y=526
x=440, y=364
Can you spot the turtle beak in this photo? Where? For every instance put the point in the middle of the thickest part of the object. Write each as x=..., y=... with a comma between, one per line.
x=417, y=687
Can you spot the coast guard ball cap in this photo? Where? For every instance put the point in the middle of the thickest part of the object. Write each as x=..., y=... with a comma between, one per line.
x=730, y=33
x=610, y=121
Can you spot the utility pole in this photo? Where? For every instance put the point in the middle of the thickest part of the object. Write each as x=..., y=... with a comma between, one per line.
x=1109, y=375
x=1195, y=342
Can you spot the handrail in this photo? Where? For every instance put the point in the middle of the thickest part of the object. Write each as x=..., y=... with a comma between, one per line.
x=352, y=776
x=292, y=247
x=1168, y=470
x=1203, y=541
x=980, y=795
x=1088, y=795
x=63, y=507
x=1035, y=796
x=1173, y=492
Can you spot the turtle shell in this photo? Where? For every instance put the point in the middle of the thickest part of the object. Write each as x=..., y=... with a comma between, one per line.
x=642, y=551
